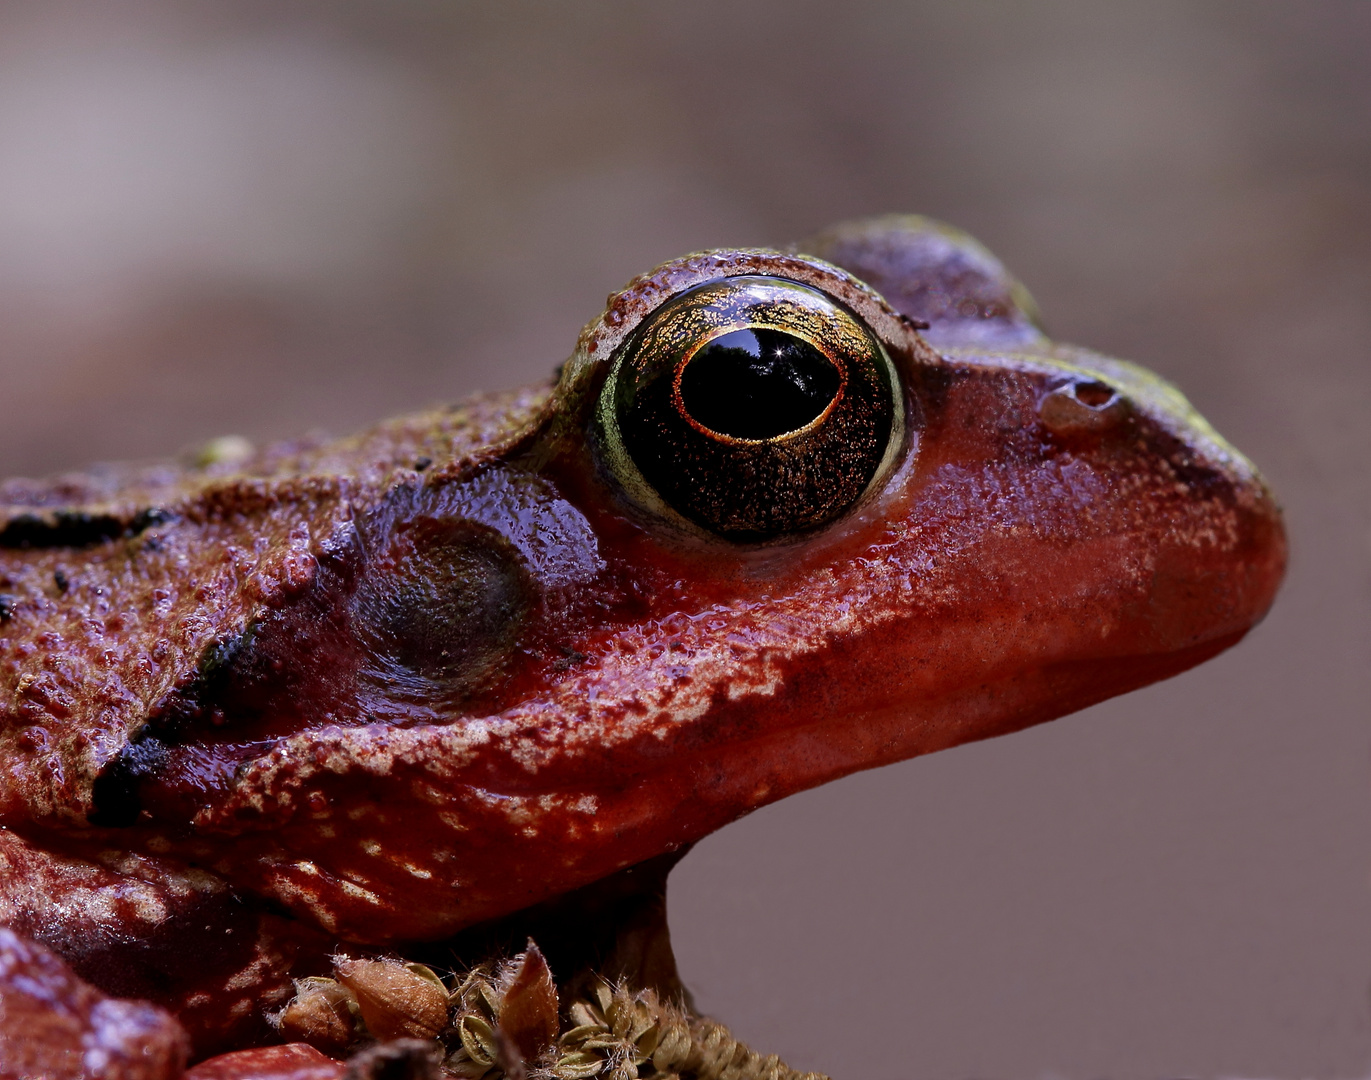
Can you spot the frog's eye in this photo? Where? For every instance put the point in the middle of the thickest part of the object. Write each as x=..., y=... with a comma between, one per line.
x=752, y=406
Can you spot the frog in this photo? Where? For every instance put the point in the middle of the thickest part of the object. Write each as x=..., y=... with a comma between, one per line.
x=784, y=514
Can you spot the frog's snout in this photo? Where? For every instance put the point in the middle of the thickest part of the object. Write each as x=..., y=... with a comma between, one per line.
x=1219, y=533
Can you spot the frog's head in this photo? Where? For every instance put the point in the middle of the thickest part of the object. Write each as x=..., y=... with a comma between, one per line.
x=771, y=526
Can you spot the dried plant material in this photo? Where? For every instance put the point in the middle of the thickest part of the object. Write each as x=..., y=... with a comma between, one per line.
x=614, y=1033
x=225, y=450
x=478, y=1039
x=323, y=1013
x=477, y=1004
x=505, y=1024
x=618, y=1034
x=714, y=1054
x=477, y=992
x=396, y=1000
x=528, y=1004
x=402, y=1059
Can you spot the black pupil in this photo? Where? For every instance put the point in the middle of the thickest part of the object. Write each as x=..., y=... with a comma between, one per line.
x=757, y=383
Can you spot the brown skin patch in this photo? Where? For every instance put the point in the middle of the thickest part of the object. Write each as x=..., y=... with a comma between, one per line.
x=618, y=682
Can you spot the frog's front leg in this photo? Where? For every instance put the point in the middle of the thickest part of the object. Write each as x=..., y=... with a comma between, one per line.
x=57, y=1027
x=140, y=927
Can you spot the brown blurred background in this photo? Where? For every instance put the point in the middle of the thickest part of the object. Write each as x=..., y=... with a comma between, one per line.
x=262, y=217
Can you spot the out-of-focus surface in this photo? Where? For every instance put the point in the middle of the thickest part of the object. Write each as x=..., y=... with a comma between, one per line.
x=260, y=218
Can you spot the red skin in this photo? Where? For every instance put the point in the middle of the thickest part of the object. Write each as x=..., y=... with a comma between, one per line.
x=294, y=1061
x=1017, y=563
x=56, y=1027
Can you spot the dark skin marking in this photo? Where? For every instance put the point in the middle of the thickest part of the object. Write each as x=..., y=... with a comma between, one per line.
x=74, y=528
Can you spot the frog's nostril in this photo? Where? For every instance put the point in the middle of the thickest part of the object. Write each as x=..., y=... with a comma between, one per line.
x=1094, y=394
x=1083, y=410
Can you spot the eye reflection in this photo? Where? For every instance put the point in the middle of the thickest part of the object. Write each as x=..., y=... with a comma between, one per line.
x=757, y=383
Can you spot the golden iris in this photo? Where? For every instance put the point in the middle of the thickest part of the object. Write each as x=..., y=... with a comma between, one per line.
x=753, y=406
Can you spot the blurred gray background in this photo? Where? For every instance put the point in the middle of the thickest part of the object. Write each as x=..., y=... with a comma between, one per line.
x=259, y=218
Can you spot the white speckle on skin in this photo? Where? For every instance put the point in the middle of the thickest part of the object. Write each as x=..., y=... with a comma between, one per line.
x=371, y=847
x=359, y=893
x=149, y=908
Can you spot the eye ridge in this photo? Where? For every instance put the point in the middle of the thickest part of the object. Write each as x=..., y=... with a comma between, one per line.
x=768, y=376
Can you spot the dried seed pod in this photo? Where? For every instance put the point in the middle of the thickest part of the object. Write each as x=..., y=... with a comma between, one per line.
x=578, y=1065
x=396, y=1000
x=476, y=992
x=582, y=1015
x=322, y=1013
x=673, y=1045
x=478, y=1040
x=528, y=1006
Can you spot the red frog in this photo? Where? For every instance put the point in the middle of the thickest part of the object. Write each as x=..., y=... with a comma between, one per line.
x=783, y=515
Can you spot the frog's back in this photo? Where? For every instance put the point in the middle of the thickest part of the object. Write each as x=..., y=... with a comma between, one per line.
x=121, y=585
